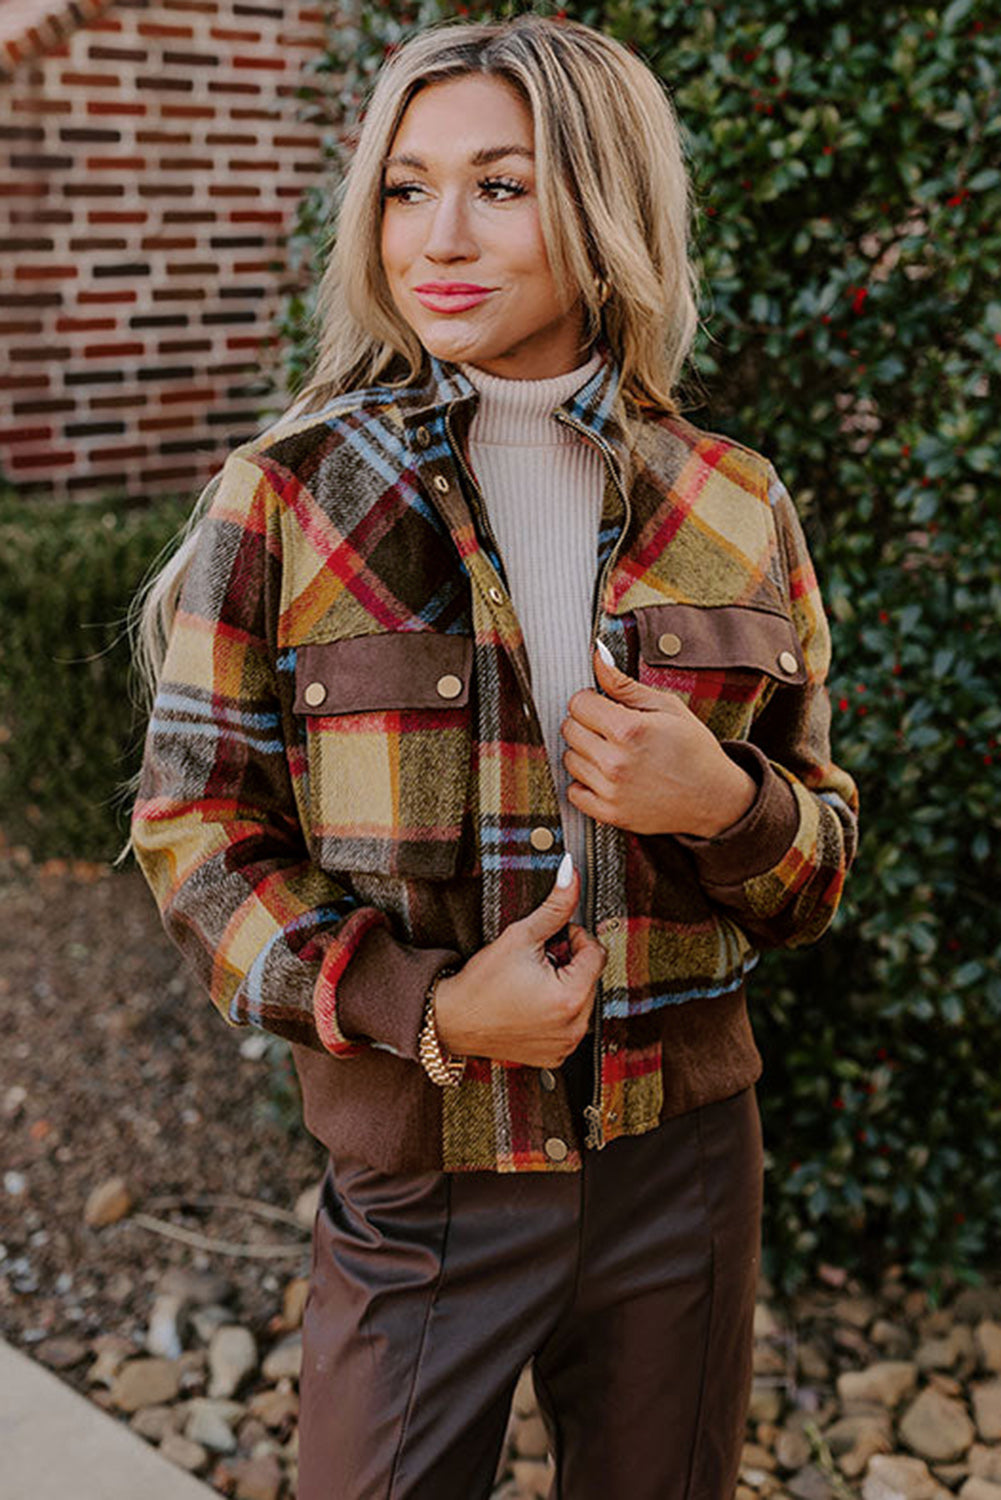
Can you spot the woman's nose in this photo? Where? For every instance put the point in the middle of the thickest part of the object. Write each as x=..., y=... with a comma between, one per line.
x=449, y=232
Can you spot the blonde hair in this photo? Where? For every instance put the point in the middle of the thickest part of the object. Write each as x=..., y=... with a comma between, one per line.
x=614, y=200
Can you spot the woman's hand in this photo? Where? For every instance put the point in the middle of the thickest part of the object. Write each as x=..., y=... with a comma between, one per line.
x=509, y=1002
x=642, y=760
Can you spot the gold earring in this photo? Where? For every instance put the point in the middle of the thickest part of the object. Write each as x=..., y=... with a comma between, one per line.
x=603, y=290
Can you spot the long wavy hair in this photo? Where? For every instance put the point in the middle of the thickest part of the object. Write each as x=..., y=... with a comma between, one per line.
x=615, y=203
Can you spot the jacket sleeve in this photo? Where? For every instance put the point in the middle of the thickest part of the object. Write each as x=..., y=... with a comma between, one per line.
x=779, y=870
x=279, y=943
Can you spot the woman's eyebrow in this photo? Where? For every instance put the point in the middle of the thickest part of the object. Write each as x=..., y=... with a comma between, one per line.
x=481, y=158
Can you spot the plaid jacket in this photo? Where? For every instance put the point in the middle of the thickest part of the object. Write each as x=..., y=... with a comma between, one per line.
x=345, y=786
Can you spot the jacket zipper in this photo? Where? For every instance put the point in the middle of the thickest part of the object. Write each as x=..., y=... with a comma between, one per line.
x=481, y=506
x=592, y=1112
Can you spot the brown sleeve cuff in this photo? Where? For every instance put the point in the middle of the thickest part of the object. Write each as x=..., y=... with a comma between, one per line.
x=380, y=995
x=760, y=836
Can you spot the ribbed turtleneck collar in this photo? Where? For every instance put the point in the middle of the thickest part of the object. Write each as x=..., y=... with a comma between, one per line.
x=519, y=411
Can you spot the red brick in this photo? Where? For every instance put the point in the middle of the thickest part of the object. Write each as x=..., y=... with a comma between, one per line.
x=121, y=182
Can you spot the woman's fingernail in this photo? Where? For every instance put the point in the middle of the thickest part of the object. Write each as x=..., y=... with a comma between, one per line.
x=564, y=874
x=605, y=654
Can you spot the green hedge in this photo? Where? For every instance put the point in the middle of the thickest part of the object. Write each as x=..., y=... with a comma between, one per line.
x=846, y=162
x=68, y=733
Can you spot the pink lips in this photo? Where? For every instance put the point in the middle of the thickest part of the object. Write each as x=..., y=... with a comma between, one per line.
x=451, y=296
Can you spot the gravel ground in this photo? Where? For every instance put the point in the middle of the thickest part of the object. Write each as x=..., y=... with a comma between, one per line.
x=143, y=1138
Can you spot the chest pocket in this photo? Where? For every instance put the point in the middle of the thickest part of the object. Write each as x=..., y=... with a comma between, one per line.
x=725, y=661
x=388, y=741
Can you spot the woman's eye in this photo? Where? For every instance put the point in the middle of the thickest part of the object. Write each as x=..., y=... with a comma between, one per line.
x=504, y=185
x=400, y=191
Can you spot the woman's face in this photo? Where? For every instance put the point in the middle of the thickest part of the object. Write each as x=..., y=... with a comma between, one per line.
x=462, y=243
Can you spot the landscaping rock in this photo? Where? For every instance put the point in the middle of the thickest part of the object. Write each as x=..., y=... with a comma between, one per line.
x=112, y=1351
x=232, y=1357
x=985, y=1462
x=210, y=1423
x=854, y=1440
x=259, y=1478
x=145, y=1382
x=532, y=1478
x=285, y=1359
x=183, y=1452
x=107, y=1203
x=859, y=1312
x=307, y=1204
x=62, y=1353
x=943, y=1352
x=154, y=1422
x=894, y=1477
x=523, y=1404
x=530, y=1438
x=792, y=1449
x=887, y=1382
x=936, y=1426
x=979, y=1489
x=274, y=1407
x=987, y=1409
x=811, y=1483
x=165, y=1333
x=294, y=1301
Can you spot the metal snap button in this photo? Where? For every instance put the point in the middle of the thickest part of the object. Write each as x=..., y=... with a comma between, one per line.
x=669, y=643
x=449, y=686
x=787, y=661
x=496, y=595
x=556, y=1149
x=440, y=483
x=542, y=839
x=548, y=1079
x=314, y=694
x=423, y=436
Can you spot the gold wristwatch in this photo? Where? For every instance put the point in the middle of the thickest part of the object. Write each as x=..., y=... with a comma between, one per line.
x=441, y=1069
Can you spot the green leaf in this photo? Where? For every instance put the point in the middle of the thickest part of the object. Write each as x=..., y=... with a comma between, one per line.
x=955, y=13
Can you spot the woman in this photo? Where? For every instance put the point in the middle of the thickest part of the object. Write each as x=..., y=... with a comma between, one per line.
x=489, y=749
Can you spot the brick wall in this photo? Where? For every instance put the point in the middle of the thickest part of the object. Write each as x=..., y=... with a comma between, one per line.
x=151, y=162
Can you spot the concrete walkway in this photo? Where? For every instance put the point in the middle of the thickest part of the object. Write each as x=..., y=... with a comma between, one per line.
x=57, y=1445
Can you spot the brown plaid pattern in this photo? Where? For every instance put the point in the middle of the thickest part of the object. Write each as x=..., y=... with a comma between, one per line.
x=344, y=769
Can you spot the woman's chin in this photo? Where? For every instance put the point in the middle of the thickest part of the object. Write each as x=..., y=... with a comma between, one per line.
x=455, y=344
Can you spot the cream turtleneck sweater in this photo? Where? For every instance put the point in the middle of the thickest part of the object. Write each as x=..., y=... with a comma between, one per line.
x=543, y=486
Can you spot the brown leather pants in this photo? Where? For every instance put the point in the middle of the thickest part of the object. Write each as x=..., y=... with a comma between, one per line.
x=630, y=1284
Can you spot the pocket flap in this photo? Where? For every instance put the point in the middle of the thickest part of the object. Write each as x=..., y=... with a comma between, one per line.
x=368, y=673
x=723, y=636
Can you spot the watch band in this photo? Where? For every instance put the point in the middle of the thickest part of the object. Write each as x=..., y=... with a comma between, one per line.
x=441, y=1069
